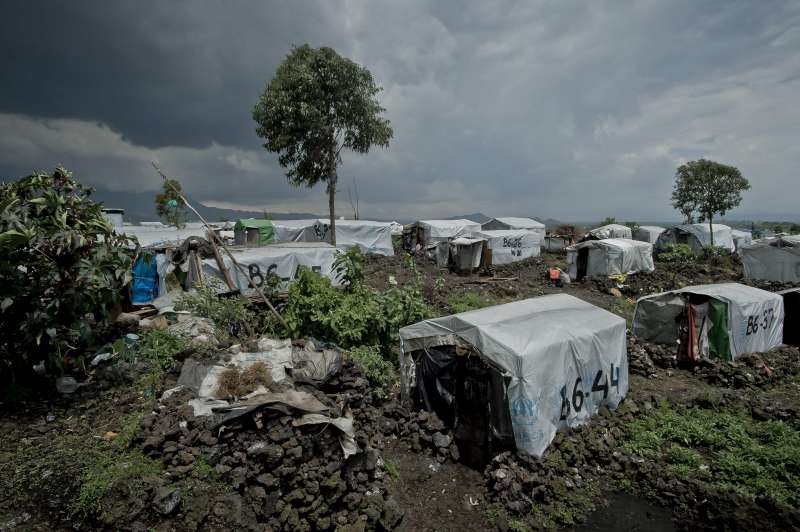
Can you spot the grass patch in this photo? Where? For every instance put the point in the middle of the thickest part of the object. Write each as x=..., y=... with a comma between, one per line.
x=391, y=469
x=470, y=300
x=161, y=347
x=727, y=450
x=101, y=471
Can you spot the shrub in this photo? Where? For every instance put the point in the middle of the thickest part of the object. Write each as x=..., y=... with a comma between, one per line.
x=62, y=269
x=230, y=313
x=676, y=253
x=378, y=370
x=355, y=314
x=161, y=347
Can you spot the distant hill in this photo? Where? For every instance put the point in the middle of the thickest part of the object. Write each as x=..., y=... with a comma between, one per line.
x=139, y=207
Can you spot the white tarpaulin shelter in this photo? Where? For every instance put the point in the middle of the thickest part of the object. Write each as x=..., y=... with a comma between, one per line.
x=741, y=239
x=508, y=222
x=727, y=319
x=371, y=237
x=154, y=236
x=609, y=231
x=612, y=256
x=773, y=259
x=276, y=259
x=511, y=245
x=648, y=233
x=559, y=357
x=697, y=236
x=443, y=230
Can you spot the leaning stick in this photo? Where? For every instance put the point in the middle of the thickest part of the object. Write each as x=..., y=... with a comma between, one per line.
x=225, y=247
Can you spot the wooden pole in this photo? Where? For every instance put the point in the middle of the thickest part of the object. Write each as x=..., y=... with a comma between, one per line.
x=220, y=262
x=225, y=247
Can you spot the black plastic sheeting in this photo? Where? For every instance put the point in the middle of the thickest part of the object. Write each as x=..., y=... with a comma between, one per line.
x=469, y=396
x=791, y=321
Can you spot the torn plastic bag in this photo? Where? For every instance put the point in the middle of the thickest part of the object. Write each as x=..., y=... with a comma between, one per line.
x=315, y=362
x=344, y=424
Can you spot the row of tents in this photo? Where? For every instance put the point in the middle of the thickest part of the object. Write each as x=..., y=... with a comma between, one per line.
x=512, y=375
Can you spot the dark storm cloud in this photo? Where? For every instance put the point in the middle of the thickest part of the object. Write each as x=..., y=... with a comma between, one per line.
x=563, y=109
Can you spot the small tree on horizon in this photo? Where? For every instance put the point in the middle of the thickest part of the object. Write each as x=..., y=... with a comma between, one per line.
x=317, y=104
x=707, y=188
x=170, y=208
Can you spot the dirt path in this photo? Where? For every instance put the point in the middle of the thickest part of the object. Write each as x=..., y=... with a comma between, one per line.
x=440, y=497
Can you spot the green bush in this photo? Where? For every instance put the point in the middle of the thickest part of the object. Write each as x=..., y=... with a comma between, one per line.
x=676, y=253
x=161, y=347
x=378, y=370
x=354, y=314
x=231, y=315
x=62, y=269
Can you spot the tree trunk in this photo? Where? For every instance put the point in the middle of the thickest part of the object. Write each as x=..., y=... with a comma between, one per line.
x=332, y=178
x=711, y=230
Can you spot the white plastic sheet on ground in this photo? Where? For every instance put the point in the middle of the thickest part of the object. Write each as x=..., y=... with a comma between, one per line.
x=511, y=245
x=610, y=231
x=566, y=358
x=440, y=230
x=648, y=233
x=612, y=256
x=510, y=223
x=775, y=259
x=697, y=236
x=278, y=259
x=755, y=316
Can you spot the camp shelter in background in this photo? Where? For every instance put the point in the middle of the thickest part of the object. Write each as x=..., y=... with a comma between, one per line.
x=609, y=231
x=512, y=375
x=741, y=239
x=773, y=259
x=369, y=236
x=430, y=231
x=253, y=232
x=648, y=233
x=612, y=256
x=511, y=245
x=712, y=321
x=511, y=223
x=279, y=260
x=697, y=236
x=159, y=236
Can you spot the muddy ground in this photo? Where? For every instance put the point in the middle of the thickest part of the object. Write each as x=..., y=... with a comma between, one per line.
x=116, y=455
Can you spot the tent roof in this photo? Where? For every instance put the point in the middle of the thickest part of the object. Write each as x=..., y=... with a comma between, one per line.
x=499, y=233
x=461, y=222
x=616, y=227
x=618, y=243
x=735, y=293
x=252, y=223
x=520, y=222
x=507, y=334
x=652, y=228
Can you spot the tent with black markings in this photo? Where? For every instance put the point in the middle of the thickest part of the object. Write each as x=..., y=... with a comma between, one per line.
x=514, y=374
x=712, y=321
x=611, y=256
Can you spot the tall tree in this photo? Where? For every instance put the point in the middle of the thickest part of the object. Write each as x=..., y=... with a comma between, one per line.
x=707, y=188
x=169, y=205
x=317, y=104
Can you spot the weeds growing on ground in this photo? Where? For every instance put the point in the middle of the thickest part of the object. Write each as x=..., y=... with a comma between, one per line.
x=470, y=301
x=727, y=450
x=391, y=469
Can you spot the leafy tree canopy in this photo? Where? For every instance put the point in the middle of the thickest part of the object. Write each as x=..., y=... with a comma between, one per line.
x=705, y=188
x=62, y=268
x=169, y=205
x=317, y=104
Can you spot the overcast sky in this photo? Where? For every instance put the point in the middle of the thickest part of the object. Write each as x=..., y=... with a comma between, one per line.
x=571, y=110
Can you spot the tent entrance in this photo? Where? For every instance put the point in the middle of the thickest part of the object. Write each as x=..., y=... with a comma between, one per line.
x=469, y=396
x=705, y=329
x=582, y=262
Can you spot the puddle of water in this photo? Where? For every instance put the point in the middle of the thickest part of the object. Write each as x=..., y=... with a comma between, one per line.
x=629, y=513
